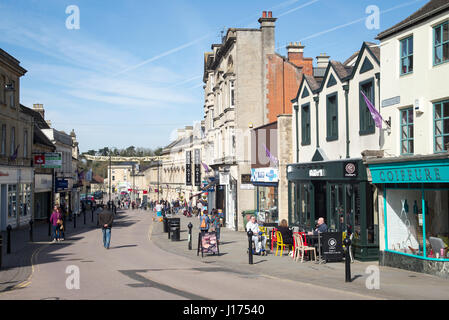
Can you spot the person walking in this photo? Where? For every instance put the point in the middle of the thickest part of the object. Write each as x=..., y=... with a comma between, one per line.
x=105, y=219
x=215, y=224
x=204, y=222
x=61, y=231
x=54, y=220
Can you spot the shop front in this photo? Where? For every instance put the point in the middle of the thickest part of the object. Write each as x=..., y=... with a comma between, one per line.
x=42, y=196
x=339, y=192
x=265, y=181
x=15, y=196
x=415, y=195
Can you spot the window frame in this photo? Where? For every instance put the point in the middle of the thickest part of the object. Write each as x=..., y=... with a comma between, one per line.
x=232, y=93
x=366, y=123
x=434, y=46
x=407, y=56
x=329, y=135
x=444, y=134
x=407, y=124
x=4, y=130
x=305, y=138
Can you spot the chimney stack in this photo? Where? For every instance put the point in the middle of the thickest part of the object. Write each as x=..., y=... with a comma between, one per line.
x=39, y=108
x=296, y=56
x=322, y=60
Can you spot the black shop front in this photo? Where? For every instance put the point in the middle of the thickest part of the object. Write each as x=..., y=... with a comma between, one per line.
x=339, y=192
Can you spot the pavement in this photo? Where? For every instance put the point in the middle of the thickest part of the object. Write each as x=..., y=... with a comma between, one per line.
x=393, y=283
x=17, y=266
x=143, y=264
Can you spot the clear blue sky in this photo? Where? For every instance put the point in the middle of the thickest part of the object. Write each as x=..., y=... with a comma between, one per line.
x=132, y=73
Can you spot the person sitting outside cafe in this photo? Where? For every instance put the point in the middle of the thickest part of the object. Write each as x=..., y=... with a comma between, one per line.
x=287, y=234
x=259, y=240
x=321, y=227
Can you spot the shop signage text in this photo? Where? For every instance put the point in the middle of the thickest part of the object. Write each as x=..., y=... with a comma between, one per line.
x=317, y=173
x=425, y=173
x=264, y=175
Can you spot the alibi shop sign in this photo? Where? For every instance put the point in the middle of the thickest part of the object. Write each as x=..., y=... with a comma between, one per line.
x=413, y=172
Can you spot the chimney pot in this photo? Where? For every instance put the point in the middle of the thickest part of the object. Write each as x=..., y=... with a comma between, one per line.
x=270, y=14
x=264, y=14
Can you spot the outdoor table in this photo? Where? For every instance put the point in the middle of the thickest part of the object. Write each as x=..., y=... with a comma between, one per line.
x=315, y=240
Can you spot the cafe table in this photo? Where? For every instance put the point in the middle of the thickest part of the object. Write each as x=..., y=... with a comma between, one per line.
x=315, y=241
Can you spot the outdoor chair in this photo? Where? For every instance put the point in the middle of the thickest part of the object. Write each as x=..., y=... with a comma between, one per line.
x=264, y=231
x=273, y=237
x=301, y=248
x=280, y=243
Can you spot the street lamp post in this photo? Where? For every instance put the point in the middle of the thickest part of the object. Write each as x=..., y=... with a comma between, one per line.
x=110, y=170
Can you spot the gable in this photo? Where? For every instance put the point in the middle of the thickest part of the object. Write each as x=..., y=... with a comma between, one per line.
x=319, y=155
x=305, y=92
x=331, y=82
x=366, y=66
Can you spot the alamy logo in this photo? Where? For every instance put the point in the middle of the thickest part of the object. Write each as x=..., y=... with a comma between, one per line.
x=372, y=22
x=73, y=20
x=373, y=280
x=73, y=280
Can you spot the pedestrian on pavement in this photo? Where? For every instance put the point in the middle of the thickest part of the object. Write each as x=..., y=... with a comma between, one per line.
x=204, y=222
x=61, y=234
x=106, y=218
x=215, y=222
x=54, y=219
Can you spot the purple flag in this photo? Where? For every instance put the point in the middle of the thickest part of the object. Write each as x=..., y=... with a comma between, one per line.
x=270, y=156
x=14, y=156
x=374, y=113
x=205, y=167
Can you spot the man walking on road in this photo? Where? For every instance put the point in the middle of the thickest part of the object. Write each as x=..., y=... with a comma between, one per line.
x=105, y=219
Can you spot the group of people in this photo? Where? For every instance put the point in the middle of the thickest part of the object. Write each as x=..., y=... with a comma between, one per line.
x=211, y=222
x=287, y=234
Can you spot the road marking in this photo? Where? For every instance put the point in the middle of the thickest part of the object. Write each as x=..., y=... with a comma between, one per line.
x=27, y=282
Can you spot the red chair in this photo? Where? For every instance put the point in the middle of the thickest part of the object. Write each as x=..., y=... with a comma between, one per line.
x=273, y=237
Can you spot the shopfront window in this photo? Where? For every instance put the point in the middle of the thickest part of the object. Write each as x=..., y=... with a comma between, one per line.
x=305, y=205
x=12, y=200
x=25, y=199
x=437, y=223
x=268, y=203
x=405, y=221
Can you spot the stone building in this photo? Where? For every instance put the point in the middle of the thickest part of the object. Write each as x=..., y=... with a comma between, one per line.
x=16, y=133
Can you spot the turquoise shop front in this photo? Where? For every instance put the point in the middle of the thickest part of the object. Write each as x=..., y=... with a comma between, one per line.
x=415, y=212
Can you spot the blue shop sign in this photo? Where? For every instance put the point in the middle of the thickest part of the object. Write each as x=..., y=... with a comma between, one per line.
x=61, y=184
x=411, y=172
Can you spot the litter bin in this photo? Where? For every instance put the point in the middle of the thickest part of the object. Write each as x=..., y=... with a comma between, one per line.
x=246, y=216
x=175, y=229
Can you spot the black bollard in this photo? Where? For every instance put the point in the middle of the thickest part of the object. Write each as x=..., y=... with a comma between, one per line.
x=74, y=222
x=190, y=235
x=8, y=239
x=347, y=243
x=84, y=217
x=250, y=246
x=31, y=230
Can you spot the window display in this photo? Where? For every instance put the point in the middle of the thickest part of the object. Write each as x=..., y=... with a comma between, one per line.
x=12, y=200
x=413, y=229
x=267, y=198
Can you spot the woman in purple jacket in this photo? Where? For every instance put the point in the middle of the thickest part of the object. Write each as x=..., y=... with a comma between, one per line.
x=55, y=216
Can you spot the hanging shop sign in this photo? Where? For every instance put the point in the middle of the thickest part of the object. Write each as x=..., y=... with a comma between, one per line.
x=411, y=172
x=197, y=162
x=224, y=178
x=188, y=168
x=61, y=184
x=52, y=160
x=265, y=175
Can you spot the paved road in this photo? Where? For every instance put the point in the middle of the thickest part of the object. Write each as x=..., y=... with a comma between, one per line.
x=135, y=268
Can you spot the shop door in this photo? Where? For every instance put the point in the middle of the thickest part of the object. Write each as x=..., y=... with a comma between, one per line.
x=319, y=199
x=344, y=208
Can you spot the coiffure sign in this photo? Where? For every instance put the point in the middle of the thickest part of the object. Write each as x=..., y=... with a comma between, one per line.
x=422, y=172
